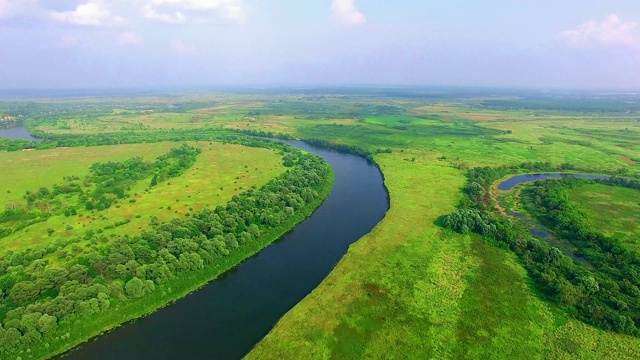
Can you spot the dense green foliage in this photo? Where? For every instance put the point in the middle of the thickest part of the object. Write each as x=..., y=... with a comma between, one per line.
x=41, y=298
x=614, y=302
x=606, y=297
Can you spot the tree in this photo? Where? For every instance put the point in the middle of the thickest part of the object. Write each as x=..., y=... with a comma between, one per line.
x=47, y=324
x=254, y=230
x=588, y=284
x=24, y=292
x=11, y=337
x=30, y=321
x=135, y=288
x=476, y=190
x=116, y=289
x=154, y=180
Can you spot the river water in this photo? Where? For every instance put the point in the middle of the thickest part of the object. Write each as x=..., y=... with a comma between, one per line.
x=227, y=317
x=519, y=179
x=17, y=133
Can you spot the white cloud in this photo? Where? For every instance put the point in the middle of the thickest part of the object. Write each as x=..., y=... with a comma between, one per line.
x=175, y=17
x=129, y=38
x=182, y=11
x=345, y=12
x=610, y=32
x=93, y=13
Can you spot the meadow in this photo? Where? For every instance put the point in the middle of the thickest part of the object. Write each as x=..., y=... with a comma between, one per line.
x=220, y=172
x=411, y=288
x=615, y=211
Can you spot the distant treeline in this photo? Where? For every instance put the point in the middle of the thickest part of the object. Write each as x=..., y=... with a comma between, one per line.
x=349, y=149
x=607, y=297
x=52, y=141
x=581, y=105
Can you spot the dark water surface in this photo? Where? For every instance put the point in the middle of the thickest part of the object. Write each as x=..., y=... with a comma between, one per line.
x=519, y=179
x=17, y=133
x=226, y=318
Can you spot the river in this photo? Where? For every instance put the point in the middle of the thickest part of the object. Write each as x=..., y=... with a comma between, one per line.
x=227, y=317
x=17, y=133
x=519, y=179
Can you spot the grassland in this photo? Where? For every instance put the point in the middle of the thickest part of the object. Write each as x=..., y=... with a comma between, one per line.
x=411, y=289
x=220, y=172
x=48, y=167
x=613, y=210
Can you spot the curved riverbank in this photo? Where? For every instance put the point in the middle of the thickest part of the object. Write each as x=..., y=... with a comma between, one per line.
x=225, y=318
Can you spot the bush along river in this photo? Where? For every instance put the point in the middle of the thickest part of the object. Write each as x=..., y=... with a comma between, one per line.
x=226, y=318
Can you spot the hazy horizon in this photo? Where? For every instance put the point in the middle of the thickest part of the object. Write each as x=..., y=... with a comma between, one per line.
x=187, y=44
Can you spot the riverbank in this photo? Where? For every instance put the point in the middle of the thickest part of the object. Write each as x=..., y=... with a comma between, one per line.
x=188, y=284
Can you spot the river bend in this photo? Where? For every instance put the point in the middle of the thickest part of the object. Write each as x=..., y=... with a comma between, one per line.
x=227, y=317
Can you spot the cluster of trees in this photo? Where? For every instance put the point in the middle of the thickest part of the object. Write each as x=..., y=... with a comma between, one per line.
x=607, y=297
x=622, y=182
x=616, y=302
x=43, y=292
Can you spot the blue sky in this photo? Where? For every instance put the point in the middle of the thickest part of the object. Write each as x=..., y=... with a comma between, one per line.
x=148, y=43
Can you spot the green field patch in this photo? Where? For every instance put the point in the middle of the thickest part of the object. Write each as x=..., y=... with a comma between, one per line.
x=220, y=172
x=30, y=170
x=502, y=330
x=615, y=211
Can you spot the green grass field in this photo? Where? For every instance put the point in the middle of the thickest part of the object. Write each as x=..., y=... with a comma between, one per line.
x=48, y=167
x=410, y=289
x=613, y=210
x=220, y=172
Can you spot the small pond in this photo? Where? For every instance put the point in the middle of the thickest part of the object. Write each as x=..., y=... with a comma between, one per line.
x=17, y=133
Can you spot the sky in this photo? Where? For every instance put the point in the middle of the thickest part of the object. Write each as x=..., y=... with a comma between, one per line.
x=575, y=44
